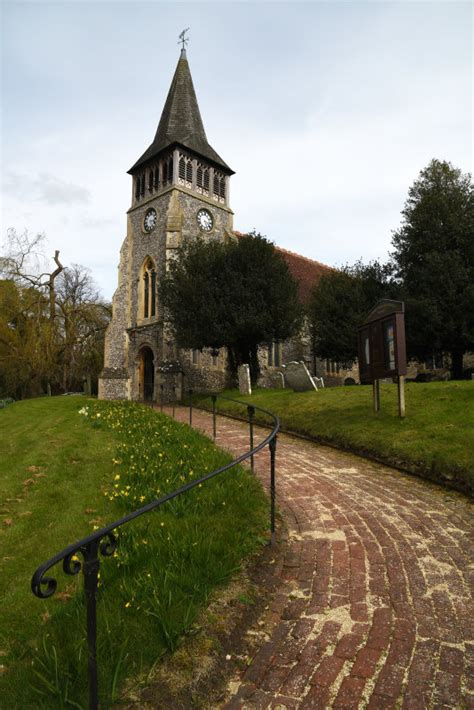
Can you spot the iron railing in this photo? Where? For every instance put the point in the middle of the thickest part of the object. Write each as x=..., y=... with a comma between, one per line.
x=104, y=542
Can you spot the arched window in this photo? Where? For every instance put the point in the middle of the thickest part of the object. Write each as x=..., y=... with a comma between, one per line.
x=137, y=188
x=182, y=169
x=153, y=294
x=157, y=178
x=185, y=170
x=202, y=179
x=189, y=171
x=147, y=296
x=167, y=168
x=150, y=180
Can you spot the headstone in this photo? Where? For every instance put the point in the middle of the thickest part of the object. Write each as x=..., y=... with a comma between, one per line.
x=245, y=386
x=297, y=376
x=278, y=380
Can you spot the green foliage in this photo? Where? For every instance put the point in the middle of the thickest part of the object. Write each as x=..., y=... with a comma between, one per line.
x=238, y=294
x=434, y=262
x=435, y=439
x=167, y=563
x=339, y=303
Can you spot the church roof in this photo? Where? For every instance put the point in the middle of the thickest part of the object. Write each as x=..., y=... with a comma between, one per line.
x=306, y=272
x=181, y=121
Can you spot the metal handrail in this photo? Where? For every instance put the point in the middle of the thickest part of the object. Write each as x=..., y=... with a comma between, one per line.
x=104, y=542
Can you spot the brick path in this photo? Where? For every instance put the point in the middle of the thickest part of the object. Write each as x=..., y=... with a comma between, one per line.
x=374, y=608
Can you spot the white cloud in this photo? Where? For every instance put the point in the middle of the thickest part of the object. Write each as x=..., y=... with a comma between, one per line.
x=45, y=188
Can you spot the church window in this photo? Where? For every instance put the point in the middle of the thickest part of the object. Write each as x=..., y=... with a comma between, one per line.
x=137, y=188
x=182, y=169
x=189, y=171
x=157, y=178
x=185, y=171
x=218, y=187
x=270, y=354
x=277, y=353
x=153, y=294
x=167, y=167
x=150, y=180
x=146, y=294
x=195, y=357
x=148, y=290
x=142, y=185
x=274, y=354
x=202, y=179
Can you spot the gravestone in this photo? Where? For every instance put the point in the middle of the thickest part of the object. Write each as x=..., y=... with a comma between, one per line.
x=278, y=381
x=245, y=386
x=297, y=376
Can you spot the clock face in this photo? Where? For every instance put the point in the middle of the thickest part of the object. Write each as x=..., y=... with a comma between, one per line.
x=150, y=220
x=204, y=220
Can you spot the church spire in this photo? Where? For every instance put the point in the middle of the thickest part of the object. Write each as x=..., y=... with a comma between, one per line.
x=181, y=121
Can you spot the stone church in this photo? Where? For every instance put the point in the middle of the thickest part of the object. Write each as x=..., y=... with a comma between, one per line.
x=180, y=190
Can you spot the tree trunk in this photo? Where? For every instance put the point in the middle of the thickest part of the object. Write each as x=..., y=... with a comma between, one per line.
x=456, y=364
x=51, y=287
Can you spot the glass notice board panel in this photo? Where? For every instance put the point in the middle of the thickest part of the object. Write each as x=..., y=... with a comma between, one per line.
x=389, y=345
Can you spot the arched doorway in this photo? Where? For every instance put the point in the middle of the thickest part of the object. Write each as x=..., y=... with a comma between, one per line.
x=146, y=382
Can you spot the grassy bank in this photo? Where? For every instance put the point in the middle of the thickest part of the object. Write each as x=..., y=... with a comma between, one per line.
x=435, y=440
x=64, y=474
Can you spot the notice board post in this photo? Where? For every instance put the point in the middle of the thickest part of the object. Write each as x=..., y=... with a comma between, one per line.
x=382, y=349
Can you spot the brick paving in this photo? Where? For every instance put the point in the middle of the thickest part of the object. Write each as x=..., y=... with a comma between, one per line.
x=374, y=609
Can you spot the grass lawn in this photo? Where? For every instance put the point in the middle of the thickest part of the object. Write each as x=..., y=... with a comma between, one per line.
x=435, y=440
x=64, y=474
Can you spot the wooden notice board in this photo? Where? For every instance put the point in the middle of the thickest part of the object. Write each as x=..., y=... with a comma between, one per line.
x=382, y=348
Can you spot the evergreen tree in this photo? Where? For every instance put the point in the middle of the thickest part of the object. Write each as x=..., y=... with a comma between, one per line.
x=339, y=303
x=434, y=263
x=237, y=294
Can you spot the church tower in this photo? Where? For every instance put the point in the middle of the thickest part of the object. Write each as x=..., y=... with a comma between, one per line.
x=180, y=191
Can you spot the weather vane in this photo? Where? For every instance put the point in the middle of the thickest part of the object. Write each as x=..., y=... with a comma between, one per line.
x=184, y=40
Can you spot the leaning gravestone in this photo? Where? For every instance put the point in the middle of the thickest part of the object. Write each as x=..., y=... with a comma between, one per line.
x=297, y=376
x=245, y=386
x=278, y=380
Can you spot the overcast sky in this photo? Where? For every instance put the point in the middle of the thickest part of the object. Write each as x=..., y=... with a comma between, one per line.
x=327, y=111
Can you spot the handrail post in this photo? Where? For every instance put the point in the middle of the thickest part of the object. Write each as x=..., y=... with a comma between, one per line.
x=251, y=412
x=190, y=407
x=162, y=387
x=272, y=447
x=91, y=574
x=214, y=398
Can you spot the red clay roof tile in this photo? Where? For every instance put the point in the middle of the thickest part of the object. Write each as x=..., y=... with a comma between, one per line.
x=306, y=272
